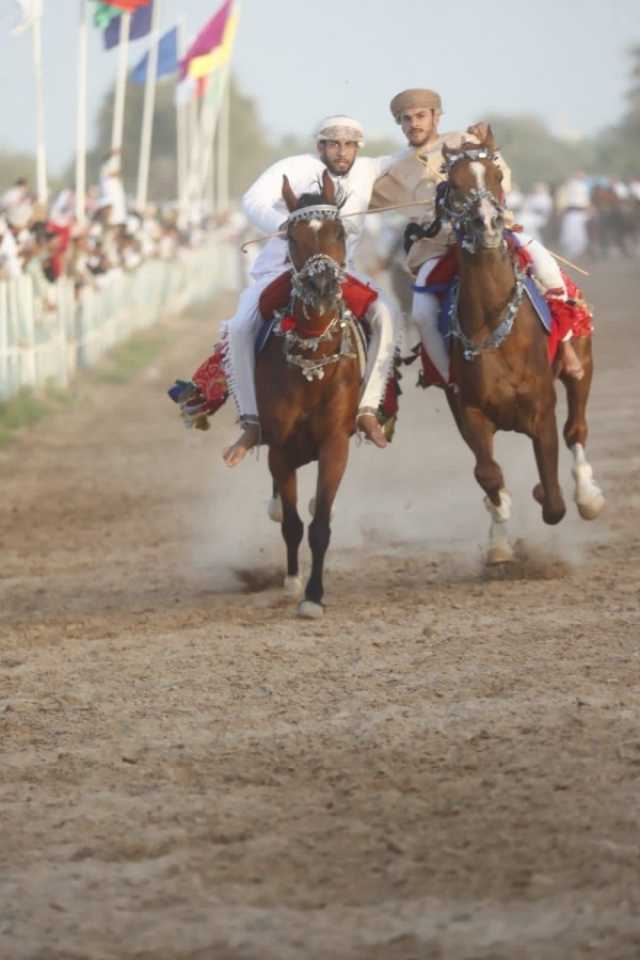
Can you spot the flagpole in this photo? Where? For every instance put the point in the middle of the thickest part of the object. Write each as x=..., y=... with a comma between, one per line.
x=149, y=107
x=81, y=118
x=181, y=124
x=41, y=156
x=222, y=157
x=121, y=82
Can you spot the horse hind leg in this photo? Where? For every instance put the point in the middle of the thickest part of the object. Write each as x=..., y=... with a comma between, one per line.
x=587, y=494
x=285, y=483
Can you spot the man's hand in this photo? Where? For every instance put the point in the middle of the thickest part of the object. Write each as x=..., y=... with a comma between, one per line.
x=479, y=130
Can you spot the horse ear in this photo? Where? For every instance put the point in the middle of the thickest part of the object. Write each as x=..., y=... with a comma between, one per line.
x=288, y=195
x=490, y=140
x=328, y=188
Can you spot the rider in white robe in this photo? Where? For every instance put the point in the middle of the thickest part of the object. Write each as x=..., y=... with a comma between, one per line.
x=338, y=140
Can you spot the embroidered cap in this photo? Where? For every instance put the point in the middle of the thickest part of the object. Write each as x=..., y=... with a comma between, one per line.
x=339, y=127
x=410, y=99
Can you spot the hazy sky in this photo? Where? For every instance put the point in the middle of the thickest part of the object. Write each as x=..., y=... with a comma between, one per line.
x=301, y=59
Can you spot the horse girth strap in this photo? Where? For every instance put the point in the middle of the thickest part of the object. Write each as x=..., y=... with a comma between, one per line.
x=472, y=350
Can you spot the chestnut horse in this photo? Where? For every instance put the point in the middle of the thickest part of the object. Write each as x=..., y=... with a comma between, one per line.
x=499, y=355
x=308, y=381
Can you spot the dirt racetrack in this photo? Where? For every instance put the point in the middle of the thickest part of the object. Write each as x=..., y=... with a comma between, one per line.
x=446, y=766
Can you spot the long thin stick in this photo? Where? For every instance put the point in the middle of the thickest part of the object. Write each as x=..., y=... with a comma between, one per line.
x=402, y=206
x=568, y=263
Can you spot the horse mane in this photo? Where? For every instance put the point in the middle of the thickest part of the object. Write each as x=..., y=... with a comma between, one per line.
x=312, y=198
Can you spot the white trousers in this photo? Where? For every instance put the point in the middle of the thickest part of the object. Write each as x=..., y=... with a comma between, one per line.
x=426, y=306
x=241, y=330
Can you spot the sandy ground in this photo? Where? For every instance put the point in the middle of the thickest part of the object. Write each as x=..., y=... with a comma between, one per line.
x=446, y=766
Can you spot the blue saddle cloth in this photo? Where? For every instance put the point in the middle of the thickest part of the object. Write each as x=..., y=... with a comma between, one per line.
x=536, y=298
x=264, y=333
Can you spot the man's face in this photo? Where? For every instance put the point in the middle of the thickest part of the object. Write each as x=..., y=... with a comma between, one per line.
x=338, y=155
x=419, y=125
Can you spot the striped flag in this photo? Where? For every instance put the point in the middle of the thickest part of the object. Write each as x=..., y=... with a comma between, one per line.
x=29, y=10
x=167, y=58
x=140, y=26
x=210, y=37
x=202, y=66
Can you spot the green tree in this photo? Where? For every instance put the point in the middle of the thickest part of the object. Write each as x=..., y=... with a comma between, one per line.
x=534, y=153
x=618, y=149
x=249, y=148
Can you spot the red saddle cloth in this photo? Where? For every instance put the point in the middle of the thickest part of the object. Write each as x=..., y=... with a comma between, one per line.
x=210, y=377
x=568, y=316
x=357, y=295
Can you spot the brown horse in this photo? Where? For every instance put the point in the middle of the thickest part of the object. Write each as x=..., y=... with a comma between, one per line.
x=499, y=357
x=308, y=381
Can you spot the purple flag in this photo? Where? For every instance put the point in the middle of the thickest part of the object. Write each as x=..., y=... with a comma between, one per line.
x=140, y=26
x=209, y=37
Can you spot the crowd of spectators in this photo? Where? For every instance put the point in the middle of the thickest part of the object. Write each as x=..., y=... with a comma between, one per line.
x=592, y=216
x=47, y=243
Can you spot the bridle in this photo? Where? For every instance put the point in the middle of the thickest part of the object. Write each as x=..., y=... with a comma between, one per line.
x=462, y=214
x=301, y=290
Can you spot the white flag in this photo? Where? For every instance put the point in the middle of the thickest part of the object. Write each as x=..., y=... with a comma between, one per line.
x=30, y=10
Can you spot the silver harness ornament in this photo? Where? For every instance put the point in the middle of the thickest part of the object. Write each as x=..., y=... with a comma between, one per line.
x=471, y=350
x=350, y=347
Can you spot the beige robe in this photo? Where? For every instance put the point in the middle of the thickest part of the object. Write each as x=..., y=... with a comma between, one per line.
x=415, y=176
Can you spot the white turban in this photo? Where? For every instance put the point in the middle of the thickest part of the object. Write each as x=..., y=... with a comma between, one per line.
x=339, y=127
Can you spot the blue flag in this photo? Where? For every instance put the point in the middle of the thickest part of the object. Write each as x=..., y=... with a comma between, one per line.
x=167, y=58
x=140, y=26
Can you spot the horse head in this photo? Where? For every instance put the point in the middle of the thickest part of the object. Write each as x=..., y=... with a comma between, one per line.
x=474, y=196
x=317, y=245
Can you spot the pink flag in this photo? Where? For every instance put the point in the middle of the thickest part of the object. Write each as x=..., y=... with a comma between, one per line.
x=209, y=37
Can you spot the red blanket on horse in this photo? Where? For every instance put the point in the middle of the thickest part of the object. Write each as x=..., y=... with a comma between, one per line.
x=570, y=316
x=210, y=378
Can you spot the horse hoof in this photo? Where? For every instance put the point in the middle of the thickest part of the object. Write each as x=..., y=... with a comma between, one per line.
x=274, y=509
x=499, y=553
x=310, y=610
x=592, y=508
x=292, y=586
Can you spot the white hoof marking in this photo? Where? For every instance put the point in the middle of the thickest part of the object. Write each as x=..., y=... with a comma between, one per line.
x=500, y=553
x=588, y=496
x=310, y=610
x=274, y=509
x=292, y=586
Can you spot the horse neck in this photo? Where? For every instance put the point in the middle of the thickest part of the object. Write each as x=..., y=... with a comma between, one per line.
x=308, y=322
x=486, y=284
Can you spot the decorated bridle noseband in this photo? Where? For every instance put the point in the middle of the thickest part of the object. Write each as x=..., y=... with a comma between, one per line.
x=319, y=263
x=462, y=214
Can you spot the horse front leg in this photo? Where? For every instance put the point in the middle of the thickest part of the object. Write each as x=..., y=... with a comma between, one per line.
x=478, y=432
x=332, y=462
x=588, y=495
x=285, y=482
x=545, y=445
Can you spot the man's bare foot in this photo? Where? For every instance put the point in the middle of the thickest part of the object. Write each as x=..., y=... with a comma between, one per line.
x=569, y=363
x=367, y=422
x=249, y=438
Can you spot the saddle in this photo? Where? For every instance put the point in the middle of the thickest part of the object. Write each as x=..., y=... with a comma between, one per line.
x=557, y=317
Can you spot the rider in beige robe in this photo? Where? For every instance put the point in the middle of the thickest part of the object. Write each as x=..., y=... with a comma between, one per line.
x=415, y=175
